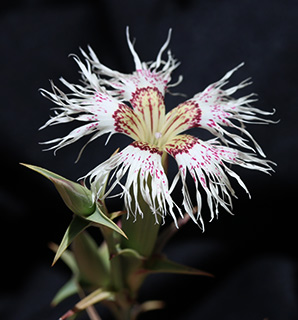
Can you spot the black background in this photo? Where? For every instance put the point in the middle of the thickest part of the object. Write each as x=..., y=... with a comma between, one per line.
x=253, y=253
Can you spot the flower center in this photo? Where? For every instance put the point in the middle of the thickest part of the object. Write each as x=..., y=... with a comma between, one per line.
x=148, y=105
x=147, y=122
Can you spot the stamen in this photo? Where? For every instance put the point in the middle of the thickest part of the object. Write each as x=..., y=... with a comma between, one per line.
x=158, y=135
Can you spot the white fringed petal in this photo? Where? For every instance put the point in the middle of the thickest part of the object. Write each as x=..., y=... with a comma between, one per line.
x=217, y=109
x=205, y=161
x=138, y=171
x=156, y=74
x=90, y=104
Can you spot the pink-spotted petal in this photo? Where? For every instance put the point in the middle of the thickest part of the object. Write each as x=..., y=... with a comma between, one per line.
x=90, y=104
x=205, y=161
x=156, y=74
x=136, y=169
x=216, y=109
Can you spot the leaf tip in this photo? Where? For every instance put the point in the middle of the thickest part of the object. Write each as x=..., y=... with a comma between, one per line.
x=54, y=262
x=123, y=234
x=25, y=165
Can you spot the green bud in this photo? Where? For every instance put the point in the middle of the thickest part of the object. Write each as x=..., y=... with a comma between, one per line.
x=77, y=197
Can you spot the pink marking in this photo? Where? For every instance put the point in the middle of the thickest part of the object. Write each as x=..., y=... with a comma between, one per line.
x=182, y=148
x=146, y=147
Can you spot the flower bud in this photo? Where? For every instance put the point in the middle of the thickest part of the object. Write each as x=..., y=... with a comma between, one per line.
x=77, y=197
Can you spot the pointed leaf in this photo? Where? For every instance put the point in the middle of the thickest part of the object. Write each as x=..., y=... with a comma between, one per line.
x=93, y=298
x=77, y=197
x=76, y=226
x=132, y=262
x=89, y=261
x=160, y=264
x=98, y=217
x=81, y=279
x=48, y=174
x=130, y=253
x=67, y=257
x=69, y=289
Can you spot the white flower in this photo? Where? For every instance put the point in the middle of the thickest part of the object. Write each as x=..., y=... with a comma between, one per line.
x=133, y=104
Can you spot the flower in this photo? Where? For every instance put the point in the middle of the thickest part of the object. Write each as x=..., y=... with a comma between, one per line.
x=133, y=104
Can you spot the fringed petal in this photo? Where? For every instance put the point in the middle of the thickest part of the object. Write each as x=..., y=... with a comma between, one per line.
x=156, y=74
x=205, y=161
x=214, y=108
x=141, y=164
x=91, y=104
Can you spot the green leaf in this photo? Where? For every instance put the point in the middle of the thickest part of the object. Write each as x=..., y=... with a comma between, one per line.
x=68, y=258
x=131, y=263
x=98, y=217
x=79, y=279
x=104, y=254
x=93, y=298
x=160, y=264
x=70, y=288
x=130, y=253
x=76, y=226
x=77, y=197
x=89, y=260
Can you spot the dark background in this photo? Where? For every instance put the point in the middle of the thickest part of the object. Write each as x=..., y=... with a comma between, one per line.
x=253, y=253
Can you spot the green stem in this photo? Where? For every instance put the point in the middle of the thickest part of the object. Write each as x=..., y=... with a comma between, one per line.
x=142, y=234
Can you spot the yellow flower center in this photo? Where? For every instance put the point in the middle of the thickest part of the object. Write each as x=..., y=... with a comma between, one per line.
x=147, y=121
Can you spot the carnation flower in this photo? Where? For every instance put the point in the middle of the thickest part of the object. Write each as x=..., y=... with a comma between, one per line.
x=109, y=102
